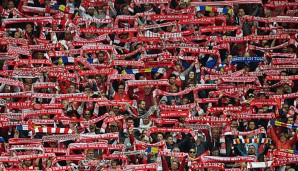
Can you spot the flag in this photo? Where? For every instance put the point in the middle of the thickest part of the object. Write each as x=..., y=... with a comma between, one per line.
x=201, y=8
x=135, y=71
x=23, y=127
x=92, y=60
x=152, y=150
x=221, y=10
x=278, y=123
x=230, y=11
x=64, y=60
x=292, y=151
x=59, y=7
x=1, y=140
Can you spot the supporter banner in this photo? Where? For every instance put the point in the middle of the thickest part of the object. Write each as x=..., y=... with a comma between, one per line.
x=57, y=112
x=141, y=167
x=271, y=77
x=92, y=20
x=203, y=20
x=15, y=95
x=28, y=19
x=27, y=147
x=146, y=145
x=285, y=153
x=70, y=157
x=55, y=150
x=9, y=40
x=267, y=116
x=157, y=17
x=14, y=116
x=221, y=109
x=138, y=2
x=177, y=107
x=123, y=56
x=218, y=28
x=19, y=105
x=239, y=79
x=161, y=82
x=174, y=114
x=270, y=67
x=45, y=85
x=177, y=130
x=60, y=138
x=85, y=146
x=256, y=131
x=172, y=154
x=45, y=121
x=207, y=159
x=273, y=54
x=242, y=39
x=24, y=141
x=207, y=165
x=247, y=59
x=255, y=165
x=129, y=153
x=12, y=82
x=107, y=136
x=284, y=161
x=285, y=96
x=127, y=63
x=165, y=121
x=38, y=10
x=107, y=30
x=280, y=4
x=9, y=159
x=278, y=61
x=284, y=19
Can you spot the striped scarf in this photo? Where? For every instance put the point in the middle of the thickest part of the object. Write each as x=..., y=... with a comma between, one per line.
x=214, y=9
x=285, y=125
x=251, y=140
x=134, y=71
x=164, y=36
x=291, y=151
x=53, y=130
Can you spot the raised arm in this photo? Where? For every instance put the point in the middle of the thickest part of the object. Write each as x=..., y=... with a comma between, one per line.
x=188, y=70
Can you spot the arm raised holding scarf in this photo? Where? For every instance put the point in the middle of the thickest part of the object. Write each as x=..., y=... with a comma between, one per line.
x=282, y=142
x=175, y=165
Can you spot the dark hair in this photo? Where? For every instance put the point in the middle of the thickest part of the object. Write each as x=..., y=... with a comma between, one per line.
x=214, y=149
x=284, y=72
x=172, y=75
x=168, y=135
x=129, y=118
x=140, y=101
x=191, y=82
x=175, y=160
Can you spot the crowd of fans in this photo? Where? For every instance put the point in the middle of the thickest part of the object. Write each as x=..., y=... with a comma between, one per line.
x=148, y=85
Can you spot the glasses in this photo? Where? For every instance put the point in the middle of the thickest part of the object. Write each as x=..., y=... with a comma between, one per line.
x=192, y=152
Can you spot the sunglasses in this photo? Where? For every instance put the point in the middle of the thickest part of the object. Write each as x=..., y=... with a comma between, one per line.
x=192, y=152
